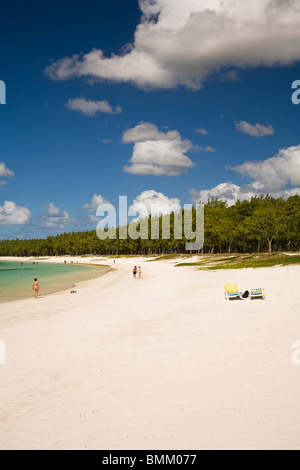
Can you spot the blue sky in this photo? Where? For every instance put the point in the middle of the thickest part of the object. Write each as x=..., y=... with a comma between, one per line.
x=161, y=101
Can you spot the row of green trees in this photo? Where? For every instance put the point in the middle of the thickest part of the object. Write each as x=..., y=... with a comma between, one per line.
x=261, y=224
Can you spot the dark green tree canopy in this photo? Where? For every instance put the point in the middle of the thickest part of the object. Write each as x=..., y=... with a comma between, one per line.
x=261, y=224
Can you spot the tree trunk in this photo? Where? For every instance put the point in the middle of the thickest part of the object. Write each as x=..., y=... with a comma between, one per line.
x=270, y=246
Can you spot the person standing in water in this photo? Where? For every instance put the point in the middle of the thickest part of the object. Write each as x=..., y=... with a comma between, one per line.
x=36, y=288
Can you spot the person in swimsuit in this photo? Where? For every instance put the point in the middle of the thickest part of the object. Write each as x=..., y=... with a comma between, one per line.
x=35, y=287
x=140, y=272
x=134, y=271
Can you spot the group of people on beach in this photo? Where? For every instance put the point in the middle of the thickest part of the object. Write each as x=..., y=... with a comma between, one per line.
x=136, y=271
x=36, y=286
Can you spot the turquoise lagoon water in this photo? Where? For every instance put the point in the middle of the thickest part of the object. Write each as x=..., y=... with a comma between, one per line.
x=16, y=279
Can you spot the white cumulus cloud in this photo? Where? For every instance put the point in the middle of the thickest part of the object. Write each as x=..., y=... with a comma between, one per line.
x=11, y=214
x=274, y=173
x=91, y=107
x=224, y=191
x=271, y=176
x=257, y=130
x=230, y=193
x=182, y=42
x=147, y=131
x=157, y=203
x=156, y=152
x=52, y=210
x=55, y=217
x=97, y=199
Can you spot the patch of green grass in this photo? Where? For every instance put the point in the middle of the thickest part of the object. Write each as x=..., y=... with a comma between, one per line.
x=240, y=261
x=204, y=260
x=171, y=256
x=230, y=260
x=188, y=264
x=114, y=256
x=121, y=256
x=258, y=263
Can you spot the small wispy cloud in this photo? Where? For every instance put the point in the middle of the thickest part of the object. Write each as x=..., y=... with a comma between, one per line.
x=198, y=148
x=208, y=148
x=257, y=130
x=201, y=131
x=5, y=172
x=91, y=107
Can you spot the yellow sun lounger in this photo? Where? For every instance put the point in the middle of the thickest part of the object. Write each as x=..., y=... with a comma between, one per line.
x=231, y=291
x=257, y=293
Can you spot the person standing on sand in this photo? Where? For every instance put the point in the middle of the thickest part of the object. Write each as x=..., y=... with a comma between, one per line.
x=35, y=287
x=140, y=272
x=134, y=271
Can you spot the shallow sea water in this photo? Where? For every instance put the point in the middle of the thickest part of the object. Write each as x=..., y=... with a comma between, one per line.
x=16, y=278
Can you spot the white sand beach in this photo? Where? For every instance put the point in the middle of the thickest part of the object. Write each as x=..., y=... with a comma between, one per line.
x=161, y=362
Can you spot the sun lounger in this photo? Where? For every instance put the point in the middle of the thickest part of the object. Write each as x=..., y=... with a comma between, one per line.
x=231, y=292
x=257, y=293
